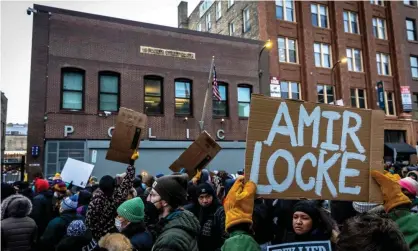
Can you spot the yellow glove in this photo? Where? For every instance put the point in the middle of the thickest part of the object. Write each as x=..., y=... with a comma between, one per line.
x=391, y=190
x=239, y=203
x=134, y=157
x=196, y=178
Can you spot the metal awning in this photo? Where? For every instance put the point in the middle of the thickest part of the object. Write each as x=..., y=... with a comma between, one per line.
x=401, y=148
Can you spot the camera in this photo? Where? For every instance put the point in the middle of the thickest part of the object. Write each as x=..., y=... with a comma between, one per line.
x=29, y=11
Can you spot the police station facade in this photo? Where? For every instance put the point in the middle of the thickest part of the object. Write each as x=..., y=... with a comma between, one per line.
x=84, y=67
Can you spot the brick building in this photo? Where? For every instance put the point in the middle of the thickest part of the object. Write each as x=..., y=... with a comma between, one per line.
x=84, y=67
x=378, y=39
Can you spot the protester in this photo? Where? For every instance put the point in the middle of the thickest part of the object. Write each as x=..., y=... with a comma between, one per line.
x=18, y=231
x=365, y=207
x=101, y=212
x=138, y=186
x=6, y=190
x=239, y=205
x=130, y=222
x=211, y=216
x=84, y=198
x=115, y=242
x=409, y=187
x=413, y=175
x=177, y=229
x=78, y=238
x=57, y=228
x=42, y=205
x=23, y=188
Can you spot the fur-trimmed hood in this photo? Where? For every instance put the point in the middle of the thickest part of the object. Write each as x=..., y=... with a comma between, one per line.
x=16, y=206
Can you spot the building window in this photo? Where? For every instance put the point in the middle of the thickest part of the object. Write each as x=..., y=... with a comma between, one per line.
x=72, y=89
x=208, y=23
x=246, y=19
x=411, y=31
x=183, y=96
x=319, y=14
x=285, y=10
x=218, y=10
x=377, y=2
x=415, y=105
x=379, y=28
x=414, y=66
x=351, y=22
x=199, y=27
x=57, y=153
x=410, y=2
x=220, y=107
x=230, y=3
x=325, y=93
x=390, y=103
x=231, y=29
x=287, y=50
x=290, y=90
x=383, y=64
x=358, y=98
x=322, y=54
x=153, y=95
x=109, y=91
x=354, y=60
x=244, y=99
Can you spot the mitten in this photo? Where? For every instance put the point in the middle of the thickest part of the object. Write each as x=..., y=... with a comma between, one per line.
x=239, y=203
x=134, y=157
x=196, y=178
x=391, y=190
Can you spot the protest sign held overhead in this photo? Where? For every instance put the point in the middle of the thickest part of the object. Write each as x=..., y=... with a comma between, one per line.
x=77, y=172
x=126, y=135
x=197, y=156
x=298, y=150
x=302, y=246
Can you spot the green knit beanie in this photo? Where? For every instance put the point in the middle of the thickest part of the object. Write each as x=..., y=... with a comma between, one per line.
x=132, y=210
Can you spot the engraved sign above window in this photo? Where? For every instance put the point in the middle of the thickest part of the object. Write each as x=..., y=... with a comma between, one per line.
x=167, y=52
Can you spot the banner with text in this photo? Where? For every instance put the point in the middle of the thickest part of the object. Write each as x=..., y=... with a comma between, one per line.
x=302, y=246
x=297, y=149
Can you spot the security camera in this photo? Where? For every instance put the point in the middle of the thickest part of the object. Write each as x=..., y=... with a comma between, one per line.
x=107, y=113
x=29, y=11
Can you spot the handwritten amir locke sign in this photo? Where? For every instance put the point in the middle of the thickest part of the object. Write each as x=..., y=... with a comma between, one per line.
x=298, y=150
x=167, y=52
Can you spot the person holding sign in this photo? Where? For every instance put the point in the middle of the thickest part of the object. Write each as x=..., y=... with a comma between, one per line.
x=101, y=212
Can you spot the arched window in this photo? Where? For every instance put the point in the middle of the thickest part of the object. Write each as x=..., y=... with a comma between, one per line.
x=244, y=99
x=109, y=97
x=72, y=89
x=153, y=95
x=183, y=97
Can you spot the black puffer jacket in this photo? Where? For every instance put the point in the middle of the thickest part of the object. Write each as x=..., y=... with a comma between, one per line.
x=179, y=231
x=42, y=210
x=18, y=231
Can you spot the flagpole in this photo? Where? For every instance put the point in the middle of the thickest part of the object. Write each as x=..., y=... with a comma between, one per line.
x=202, y=121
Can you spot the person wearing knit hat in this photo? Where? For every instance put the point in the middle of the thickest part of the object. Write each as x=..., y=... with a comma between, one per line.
x=76, y=228
x=41, y=185
x=78, y=238
x=179, y=227
x=364, y=207
x=57, y=228
x=409, y=187
x=130, y=222
x=57, y=176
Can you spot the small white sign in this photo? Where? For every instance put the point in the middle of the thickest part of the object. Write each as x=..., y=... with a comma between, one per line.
x=77, y=172
x=93, y=156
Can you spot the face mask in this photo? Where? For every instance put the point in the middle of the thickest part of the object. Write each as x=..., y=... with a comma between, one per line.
x=392, y=171
x=118, y=224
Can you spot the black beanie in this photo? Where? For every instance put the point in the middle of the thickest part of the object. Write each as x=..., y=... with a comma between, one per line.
x=172, y=188
x=107, y=184
x=308, y=207
x=205, y=188
x=84, y=197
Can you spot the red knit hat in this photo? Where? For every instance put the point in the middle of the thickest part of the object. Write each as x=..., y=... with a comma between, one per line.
x=41, y=185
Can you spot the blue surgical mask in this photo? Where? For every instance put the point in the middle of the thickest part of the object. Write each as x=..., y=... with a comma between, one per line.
x=118, y=224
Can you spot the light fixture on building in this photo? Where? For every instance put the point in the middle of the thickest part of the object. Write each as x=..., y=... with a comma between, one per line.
x=222, y=121
x=185, y=119
x=45, y=117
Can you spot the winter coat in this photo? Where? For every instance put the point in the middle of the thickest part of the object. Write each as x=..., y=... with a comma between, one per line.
x=212, y=222
x=179, y=232
x=18, y=231
x=263, y=221
x=57, y=229
x=78, y=243
x=42, y=210
x=408, y=224
x=240, y=241
x=101, y=213
x=140, y=238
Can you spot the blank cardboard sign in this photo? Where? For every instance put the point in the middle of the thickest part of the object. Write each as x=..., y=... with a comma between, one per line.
x=126, y=135
x=297, y=149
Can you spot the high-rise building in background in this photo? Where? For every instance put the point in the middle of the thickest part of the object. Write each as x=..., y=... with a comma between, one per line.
x=328, y=51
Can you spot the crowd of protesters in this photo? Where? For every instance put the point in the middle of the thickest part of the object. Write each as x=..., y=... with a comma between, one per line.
x=209, y=212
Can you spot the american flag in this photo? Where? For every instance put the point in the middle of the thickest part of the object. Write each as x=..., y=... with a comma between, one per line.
x=215, y=87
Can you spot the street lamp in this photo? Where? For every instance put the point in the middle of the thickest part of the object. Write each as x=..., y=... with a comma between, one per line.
x=268, y=46
x=341, y=61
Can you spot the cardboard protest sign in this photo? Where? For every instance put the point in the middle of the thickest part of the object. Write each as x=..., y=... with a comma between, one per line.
x=197, y=156
x=302, y=246
x=77, y=172
x=126, y=135
x=297, y=149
